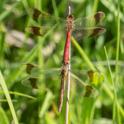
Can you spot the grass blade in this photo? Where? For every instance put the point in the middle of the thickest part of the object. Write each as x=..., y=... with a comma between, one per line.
x=3, y=117
x=83, y=54
x=6, y=92
x=7, y=12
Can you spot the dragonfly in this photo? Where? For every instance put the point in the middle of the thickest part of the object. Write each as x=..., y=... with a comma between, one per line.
x=77, y=27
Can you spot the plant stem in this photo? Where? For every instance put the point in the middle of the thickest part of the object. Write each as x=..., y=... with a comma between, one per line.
x=117, y=43
x=9, y=100
x=117, y=59
x=68, y=95
x=83, y=54
x=95, y=6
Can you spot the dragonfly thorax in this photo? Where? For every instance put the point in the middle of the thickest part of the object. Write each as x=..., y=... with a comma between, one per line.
x=69, y=23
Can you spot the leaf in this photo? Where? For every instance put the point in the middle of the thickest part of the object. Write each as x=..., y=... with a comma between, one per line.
x=46, y=104
x=88, y=110
x=3, y=117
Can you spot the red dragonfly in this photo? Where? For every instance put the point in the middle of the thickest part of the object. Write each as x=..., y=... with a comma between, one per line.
x=72, y=26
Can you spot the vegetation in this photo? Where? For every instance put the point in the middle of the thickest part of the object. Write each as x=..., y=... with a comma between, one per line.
x=96, y=96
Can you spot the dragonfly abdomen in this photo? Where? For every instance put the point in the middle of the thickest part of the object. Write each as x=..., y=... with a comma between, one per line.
x=67, y=48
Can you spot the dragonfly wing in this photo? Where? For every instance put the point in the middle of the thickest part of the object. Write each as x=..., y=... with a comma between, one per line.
x=89, y=21
x=41, y=22
x=97, y=31
x=45, y=18
x=99, y=16
x=30, y=82
x=88, y=90
x=34, y=69
x=36, y=14
x=37, y=30
x=88, y=32
x=35, y=73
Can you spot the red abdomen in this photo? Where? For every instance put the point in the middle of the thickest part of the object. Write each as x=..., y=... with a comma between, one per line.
x=67, y=48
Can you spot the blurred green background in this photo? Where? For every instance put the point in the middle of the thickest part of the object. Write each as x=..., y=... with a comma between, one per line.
x=105, y=105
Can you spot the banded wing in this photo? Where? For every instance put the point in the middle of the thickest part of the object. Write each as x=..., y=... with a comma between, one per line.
x=88, y=90
x=43, y=17
x=90, y=21
x=43, y=22
x=35, y=73
x=90, y=26
x=88, y=32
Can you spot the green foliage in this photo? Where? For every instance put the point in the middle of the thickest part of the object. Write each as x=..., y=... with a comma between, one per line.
x=95, y=99
x=4, y=119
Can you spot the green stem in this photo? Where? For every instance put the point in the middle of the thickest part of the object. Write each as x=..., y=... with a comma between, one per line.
x=83, y=54
x=6, y=92
x=95, y=6
x=113, y=84
x=117, y=58
x=117, y=43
